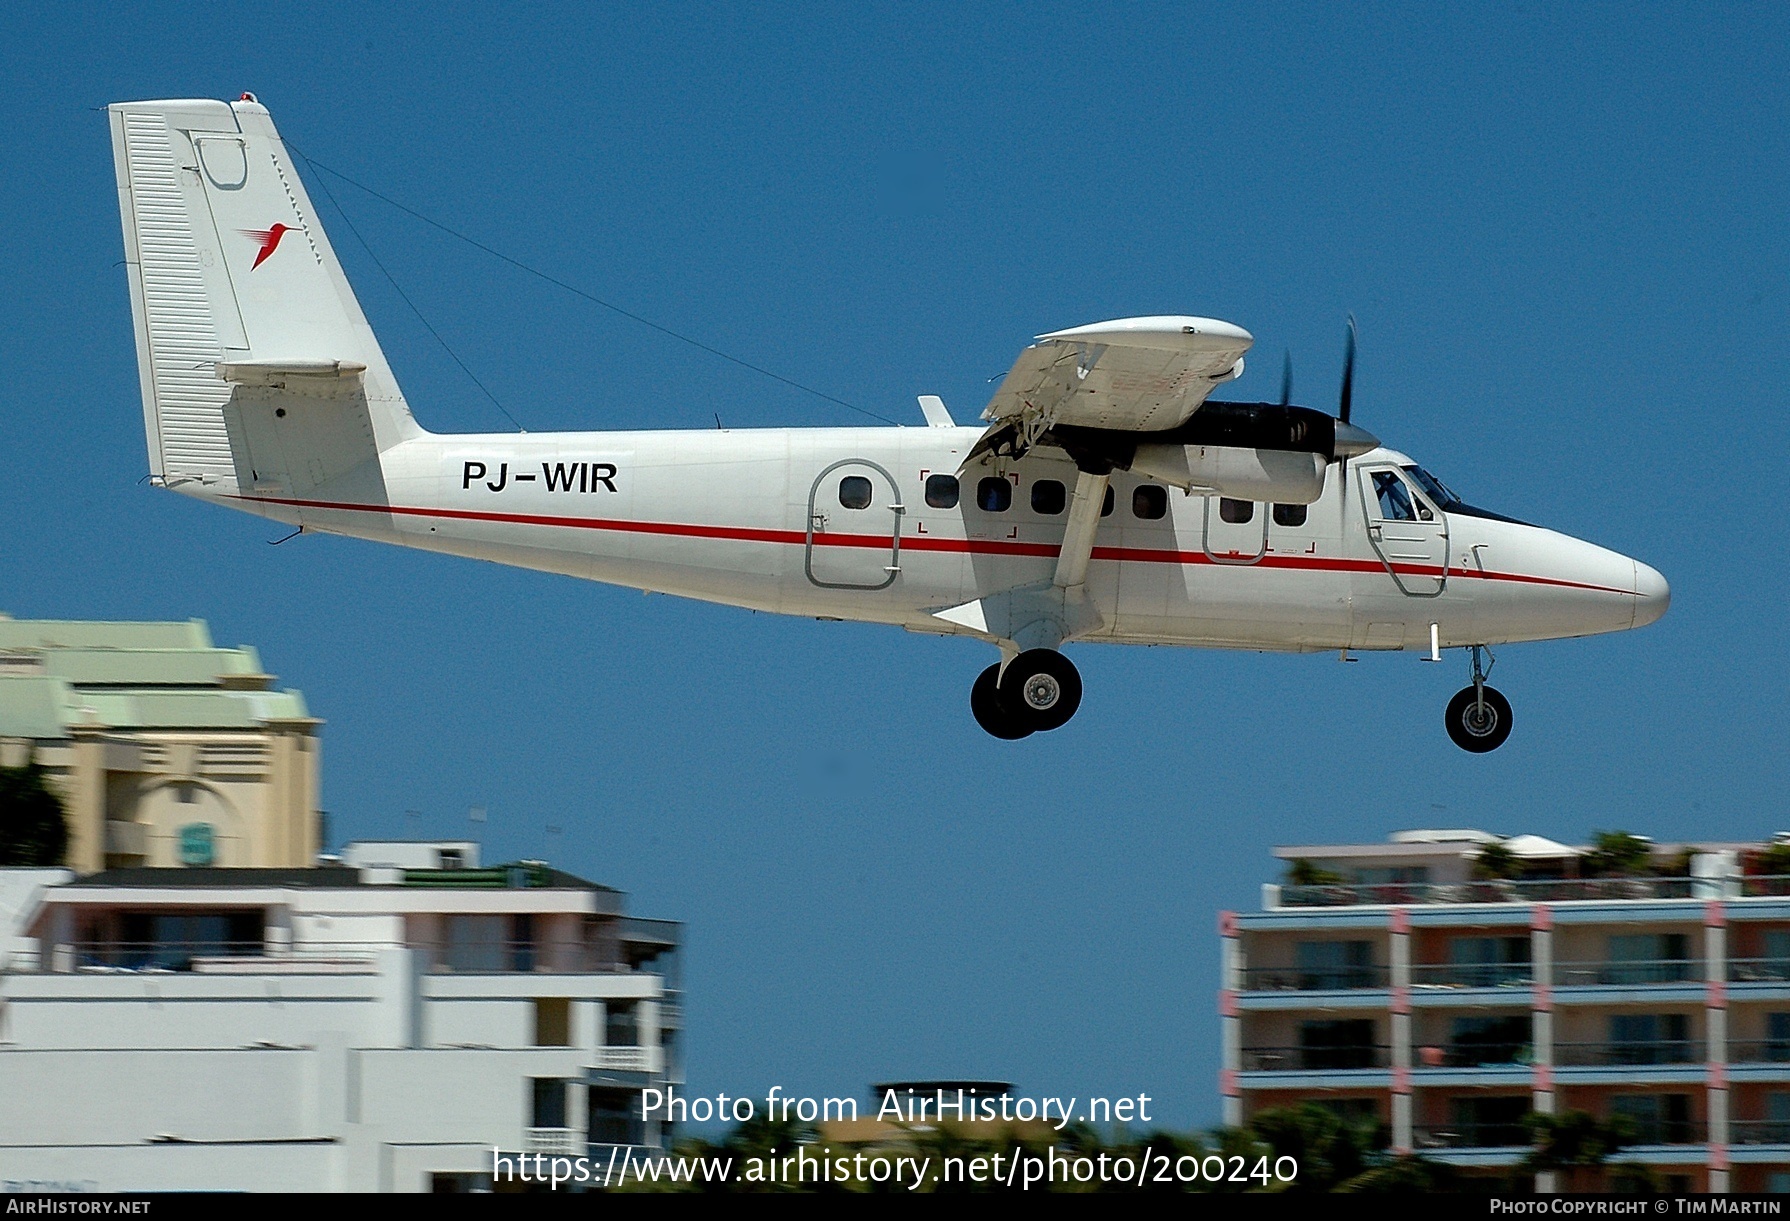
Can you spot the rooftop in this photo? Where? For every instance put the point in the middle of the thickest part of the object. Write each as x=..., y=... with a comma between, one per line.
x=1472, y=866
x=56, y=674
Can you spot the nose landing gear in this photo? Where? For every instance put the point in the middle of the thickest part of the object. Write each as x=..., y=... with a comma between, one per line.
x=1479, y=717
x=1040, y=690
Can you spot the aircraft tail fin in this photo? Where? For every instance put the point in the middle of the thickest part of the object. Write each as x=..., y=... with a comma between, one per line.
x=239, y=304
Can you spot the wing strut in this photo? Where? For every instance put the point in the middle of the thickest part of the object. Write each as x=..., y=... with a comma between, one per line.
x=1078, y=535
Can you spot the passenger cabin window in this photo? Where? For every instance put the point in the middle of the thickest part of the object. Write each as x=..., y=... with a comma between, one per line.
x=1289, y=515
x=941, y=491
x=854, y=492
x=1394, y=497
x=1149, y=502
x=1237, y=512
x=1048, y=497
x=1106, y=506
x=994, y=495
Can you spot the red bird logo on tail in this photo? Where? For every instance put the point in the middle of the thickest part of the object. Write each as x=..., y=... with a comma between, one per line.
x=267, y=239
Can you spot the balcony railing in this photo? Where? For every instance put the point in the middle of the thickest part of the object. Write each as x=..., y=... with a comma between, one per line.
x=1319, y=979
x=1759, y=970
x=1664, y=1131
x=1759, y=1131
x=1472, y=1136
x=1655, y=971
x=1314, y=1059
x=1473, y=975
x=1765, y=887
x=553, y=1140
x=1626, y=1055
x=1473, y=1055
x=1759, y=1051
x=1544, y=890
x=248, y=956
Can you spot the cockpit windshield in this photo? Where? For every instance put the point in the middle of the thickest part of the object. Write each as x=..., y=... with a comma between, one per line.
x=1433, y=487
x=1445, y=498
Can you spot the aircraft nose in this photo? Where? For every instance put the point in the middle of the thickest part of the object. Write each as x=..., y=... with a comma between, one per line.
x=1652, y=594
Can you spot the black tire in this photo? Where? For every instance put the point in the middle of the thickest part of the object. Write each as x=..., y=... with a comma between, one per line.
x=990, y=710
x=1475, y=731
x=1042, y=688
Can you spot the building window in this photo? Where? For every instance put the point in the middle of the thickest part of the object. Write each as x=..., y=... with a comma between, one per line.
x=522, y=942
x=1337, y=1043
x=615, y=1117
x=621, y=1027
x=172, y=940
x=553, y=1021
x=1487, y=962
x=1487, y=1123
x=1237, y=512
x=1647, y=958
x=451, y=858
x=1650, y=1038
x=854, y=492
x=476, y=943
x=1291, y=516
x=548, y=1102
x=994, y=495
x=941, y=491
x=1330, y=965
x=1504, y=1039
x=1656, y=1119
x=1048, y=497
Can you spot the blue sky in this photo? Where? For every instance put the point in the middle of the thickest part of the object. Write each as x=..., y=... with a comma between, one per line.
x=1562, y=229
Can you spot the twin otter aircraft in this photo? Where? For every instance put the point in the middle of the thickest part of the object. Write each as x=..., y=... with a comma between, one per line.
x=1103, y=499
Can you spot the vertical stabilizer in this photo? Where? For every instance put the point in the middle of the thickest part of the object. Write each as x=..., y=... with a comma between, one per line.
x=230, y=269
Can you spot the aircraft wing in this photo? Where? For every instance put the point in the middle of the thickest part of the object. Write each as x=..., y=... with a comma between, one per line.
x=1137, y=374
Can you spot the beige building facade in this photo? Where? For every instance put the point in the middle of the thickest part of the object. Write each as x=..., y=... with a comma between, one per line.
x=167, y=750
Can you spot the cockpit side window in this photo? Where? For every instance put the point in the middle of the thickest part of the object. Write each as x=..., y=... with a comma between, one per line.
x=1394, y=497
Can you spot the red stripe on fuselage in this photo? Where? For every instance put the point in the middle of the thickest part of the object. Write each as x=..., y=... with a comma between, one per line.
x=921, y=542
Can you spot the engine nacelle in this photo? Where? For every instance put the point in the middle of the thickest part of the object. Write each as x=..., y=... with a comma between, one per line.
x=1279, y=475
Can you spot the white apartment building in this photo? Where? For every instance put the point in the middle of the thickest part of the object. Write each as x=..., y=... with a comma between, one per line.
x=381, y=1028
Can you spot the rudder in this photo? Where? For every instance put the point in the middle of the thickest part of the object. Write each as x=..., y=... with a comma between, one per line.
x=232, y=275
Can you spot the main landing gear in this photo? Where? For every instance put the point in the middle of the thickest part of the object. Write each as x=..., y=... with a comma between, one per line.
x=1478, y=716
x=1039, y=691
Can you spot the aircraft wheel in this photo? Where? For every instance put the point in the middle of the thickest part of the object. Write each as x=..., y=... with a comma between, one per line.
x=1042, y=687
x=990, y=710
x=1478, y=729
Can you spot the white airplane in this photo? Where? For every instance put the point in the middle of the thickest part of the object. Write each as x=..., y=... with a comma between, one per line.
x=1103, y=499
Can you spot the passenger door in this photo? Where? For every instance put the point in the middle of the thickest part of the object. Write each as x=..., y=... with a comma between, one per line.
x=854, y=527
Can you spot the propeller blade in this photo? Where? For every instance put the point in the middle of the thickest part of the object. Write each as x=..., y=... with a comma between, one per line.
x=1347, y=398
x=1286, y=379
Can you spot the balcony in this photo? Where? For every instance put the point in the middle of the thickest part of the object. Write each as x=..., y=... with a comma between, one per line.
x=1628, y=1055
x=1649, y=1131
x=1758, y=970
x=1759, y=1132
x=1474, y=1055
x=1759, y=1051
x=1544, y=890
x=1627, y=973
x=1472, y=1136
x=1319, y=979
x=1473, y=975
x=1314, y=1059
x=266, y=956
x=553, y=1140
